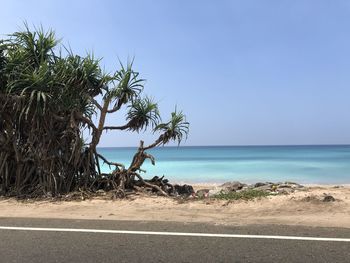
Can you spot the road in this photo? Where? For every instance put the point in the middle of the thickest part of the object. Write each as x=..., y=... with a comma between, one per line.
x=28, y=244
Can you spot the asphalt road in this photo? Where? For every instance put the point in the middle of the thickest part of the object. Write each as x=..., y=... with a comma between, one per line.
x=47, y=246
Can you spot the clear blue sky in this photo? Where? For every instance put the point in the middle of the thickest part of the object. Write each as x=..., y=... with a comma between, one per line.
x=244, y=72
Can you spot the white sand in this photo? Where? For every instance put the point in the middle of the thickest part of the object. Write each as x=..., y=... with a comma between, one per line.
x=291, y=209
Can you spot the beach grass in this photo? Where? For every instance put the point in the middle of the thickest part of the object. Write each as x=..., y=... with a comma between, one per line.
x=249, y=194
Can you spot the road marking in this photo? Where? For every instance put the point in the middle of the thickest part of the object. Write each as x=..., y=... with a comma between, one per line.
x=106, y=231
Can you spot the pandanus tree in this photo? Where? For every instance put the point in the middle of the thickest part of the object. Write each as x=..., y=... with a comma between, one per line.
x=48, y=97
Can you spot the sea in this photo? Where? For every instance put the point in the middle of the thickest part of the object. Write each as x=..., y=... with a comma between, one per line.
x=326, y=164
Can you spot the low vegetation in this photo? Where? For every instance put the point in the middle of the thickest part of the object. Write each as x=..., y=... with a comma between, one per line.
x=248, y=194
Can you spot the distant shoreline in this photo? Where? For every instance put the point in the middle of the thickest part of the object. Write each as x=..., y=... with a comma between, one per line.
x=214, y=184
x=213, y=146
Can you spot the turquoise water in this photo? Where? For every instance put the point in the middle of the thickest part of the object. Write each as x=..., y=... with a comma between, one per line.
x=304, y=164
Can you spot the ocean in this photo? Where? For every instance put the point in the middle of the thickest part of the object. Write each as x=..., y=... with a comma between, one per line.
x=215, y=164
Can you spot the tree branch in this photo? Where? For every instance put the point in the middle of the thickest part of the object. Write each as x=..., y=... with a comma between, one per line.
x=96, y=104
x=156, y=143
x=156, y=187
x=148, y=156
x=111, y=163
x=116, y=108
x=87, y=121
x=124, y=127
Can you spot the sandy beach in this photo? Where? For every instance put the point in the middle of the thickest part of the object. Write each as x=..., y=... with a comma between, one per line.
x=304, y=207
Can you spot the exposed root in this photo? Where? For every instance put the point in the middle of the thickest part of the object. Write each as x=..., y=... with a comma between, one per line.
x=154, y=186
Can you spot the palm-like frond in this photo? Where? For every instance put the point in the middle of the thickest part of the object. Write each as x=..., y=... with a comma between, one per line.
x=45, y=79
x=174, y=130
x=128, y=85
x=37, y=45
x=142, y=113
x=3, y=62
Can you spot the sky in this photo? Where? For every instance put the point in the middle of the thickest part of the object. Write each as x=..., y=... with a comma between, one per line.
x=246, y=72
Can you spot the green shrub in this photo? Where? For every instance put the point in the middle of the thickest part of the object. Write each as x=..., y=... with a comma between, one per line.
x=243, y=195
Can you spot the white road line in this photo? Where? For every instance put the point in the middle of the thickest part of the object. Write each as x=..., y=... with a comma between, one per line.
x=105, y=231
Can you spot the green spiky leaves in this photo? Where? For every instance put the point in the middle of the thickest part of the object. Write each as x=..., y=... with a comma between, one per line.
x=127, y=86
x=176, y=129
x=143, y=112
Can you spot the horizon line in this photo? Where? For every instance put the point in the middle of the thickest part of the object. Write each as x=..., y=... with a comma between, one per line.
x=231, y=145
